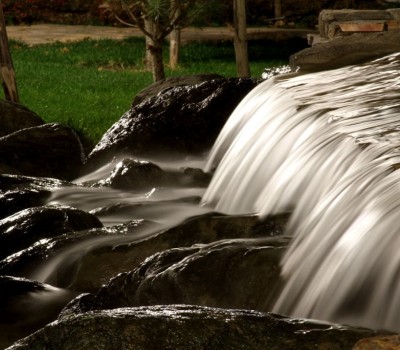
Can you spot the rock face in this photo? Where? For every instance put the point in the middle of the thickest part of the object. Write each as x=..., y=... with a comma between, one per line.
x=181, y=120
x=49, y=150
x=346, y=50
x=349, y=37
x=188, y=327
x=14, y=117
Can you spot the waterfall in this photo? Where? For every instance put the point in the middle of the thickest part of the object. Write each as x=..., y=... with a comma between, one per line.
x=325, y=147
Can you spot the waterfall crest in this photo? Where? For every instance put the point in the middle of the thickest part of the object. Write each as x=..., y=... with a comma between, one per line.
x=324, y=146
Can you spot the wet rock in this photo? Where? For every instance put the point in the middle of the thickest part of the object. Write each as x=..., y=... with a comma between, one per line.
x=57, y=260
x=347, y=50
x=183, y=120
x=171, y=82
x=230, y=274
x=109, y=260
x=14, y=117
x=49, y=150
x=134, y=174
x=21, y=192
x=26, y=306
x=123, y=247
x=131, y=174
x=28, y=226
x=188, y=327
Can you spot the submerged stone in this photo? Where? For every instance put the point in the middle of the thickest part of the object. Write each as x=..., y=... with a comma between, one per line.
x=188, y=327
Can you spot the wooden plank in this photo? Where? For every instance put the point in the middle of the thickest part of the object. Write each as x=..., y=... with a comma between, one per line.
x=362, y=26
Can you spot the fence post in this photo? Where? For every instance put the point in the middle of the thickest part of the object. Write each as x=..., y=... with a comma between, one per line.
x=240, y=38
x=6, y=64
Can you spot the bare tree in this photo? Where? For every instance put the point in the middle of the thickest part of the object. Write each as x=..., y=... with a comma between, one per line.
x=6, y=64
x=156, y=19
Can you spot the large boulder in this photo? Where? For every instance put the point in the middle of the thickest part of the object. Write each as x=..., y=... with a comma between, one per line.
x=49, y=150
x=171, y=82
x=188, y=327
x=181, y=120
x=21, y=230
x=14, y=117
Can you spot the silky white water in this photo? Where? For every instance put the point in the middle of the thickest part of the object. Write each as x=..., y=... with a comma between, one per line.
x=324, y=146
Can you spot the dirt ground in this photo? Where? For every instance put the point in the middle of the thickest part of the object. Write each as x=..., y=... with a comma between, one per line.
x=50, y=33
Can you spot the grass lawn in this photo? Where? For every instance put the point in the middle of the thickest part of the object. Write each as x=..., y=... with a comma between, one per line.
x=90, y=84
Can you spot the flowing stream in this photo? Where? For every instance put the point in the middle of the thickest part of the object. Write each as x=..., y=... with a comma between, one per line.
x=324, y=146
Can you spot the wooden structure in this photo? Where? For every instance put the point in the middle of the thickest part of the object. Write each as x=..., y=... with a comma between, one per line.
x=240, y=38
x=6, y=65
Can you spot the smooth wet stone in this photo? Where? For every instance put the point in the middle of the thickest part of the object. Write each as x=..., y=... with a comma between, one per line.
x=112, y=259
x=49, y=150
x=22, y=192
x=14, y=117
x=132, y=174
x=24, y=228
x=184, y=120
x=188, y=327
x=232, y=273
x=26, y=306
x=64, y=254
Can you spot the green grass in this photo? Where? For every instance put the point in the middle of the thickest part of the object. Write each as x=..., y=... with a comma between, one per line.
x=90, y=84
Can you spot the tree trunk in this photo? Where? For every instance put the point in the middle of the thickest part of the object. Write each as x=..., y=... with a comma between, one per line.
x=6, y=65
x=157, y=64
x=174, y=47
x=240, y=38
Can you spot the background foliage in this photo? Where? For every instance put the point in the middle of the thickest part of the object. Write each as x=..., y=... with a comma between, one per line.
x=218, y=12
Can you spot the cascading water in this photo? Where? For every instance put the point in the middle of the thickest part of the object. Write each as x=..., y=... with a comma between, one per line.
x=326, y=147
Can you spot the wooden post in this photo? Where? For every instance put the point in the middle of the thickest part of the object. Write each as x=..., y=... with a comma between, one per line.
x=240, y=38
x=175, y=37
x=174, y=47
x=6, y=64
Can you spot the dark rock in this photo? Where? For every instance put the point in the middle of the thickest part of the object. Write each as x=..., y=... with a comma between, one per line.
x=57, y=260
x=341, y=51
x=171, y=82
x=28, y=226
x=21, y=192
x=50, y=150
x=189, y=327
x=183, y=120
x=14, y=117
x=230, y=274
x=26, y=306
x=99, y=265
x=131, y=174
x=134, y=174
